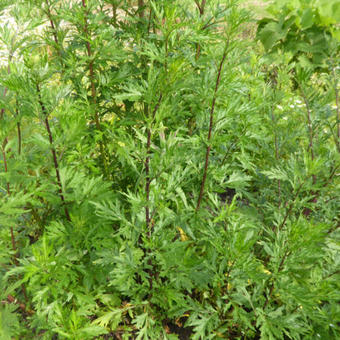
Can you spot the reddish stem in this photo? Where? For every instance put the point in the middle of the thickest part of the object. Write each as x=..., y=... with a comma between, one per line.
x=211, y=123
x=54, y=154
x=201, y=8
x=49, y=14
x=18, y=127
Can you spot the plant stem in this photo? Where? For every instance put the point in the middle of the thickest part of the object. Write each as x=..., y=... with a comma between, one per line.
x=276, y=144
x=13, y=242
x=2, y=112
x=147, y=169
x=141, y=8
x=54, y=31
x=93, y=87
x=1, y=117
x=211, y=123
x=337, y=104
x=268, y=297
x=22, y=306
x=53, y=151
x=290, y=208
x=114, y=14
x=18, y=127
x=310, y=127
x=4, y=156
x=201, y=8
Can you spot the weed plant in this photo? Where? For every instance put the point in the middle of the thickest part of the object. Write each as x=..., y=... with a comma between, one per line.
x=162, y=178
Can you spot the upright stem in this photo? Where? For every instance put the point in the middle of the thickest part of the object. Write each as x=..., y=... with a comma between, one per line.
x=211, y=123
x=290, y=208
x=4, y=156
x=147, y=169
x=310, y=128
x=19, y=137
x=3, y=146
x=141, y=8
x=13, y=242
x=14, y=247
x=201, y=8
x=54, y=31
x=54, y=154
x=93, y=87
x=337, y=104
x=276, y=144
x=114, y=14
x=148, y=179
x=268, y=297
x=18, y=127
x=2, y=112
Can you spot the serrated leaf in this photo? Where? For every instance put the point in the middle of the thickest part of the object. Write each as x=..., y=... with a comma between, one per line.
x=93, y=330
x=276, y=173
x=238, y=180
x=113, y=317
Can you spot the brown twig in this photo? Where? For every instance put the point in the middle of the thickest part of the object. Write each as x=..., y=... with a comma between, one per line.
x=22, y=306
x=49, y=15
x=141, y=8
x=211, y=123
x=201, y=9
x=53, y=151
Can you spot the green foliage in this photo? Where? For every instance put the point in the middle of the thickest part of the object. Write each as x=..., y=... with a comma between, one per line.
x=158, y=182
x=305, y=30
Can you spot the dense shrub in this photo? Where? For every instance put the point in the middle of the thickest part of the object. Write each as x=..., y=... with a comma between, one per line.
x=160, y=179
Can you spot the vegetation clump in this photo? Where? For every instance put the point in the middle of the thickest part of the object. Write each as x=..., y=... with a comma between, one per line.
x=164, y=176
